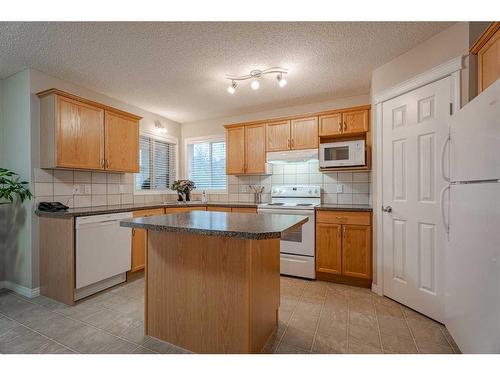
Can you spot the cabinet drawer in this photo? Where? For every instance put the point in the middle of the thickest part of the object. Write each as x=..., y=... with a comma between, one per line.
x=344, y=217
x=249, y=210
x=219, y=209
x=151, y=212
x=176, y=210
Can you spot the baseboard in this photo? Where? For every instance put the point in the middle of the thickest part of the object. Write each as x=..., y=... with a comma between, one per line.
x=19, y=289
x=376, y=289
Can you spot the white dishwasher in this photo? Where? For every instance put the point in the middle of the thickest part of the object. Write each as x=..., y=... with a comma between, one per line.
x=103, y=252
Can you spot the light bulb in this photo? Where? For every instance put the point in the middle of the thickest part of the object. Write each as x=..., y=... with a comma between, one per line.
x=281, y=80
x=231, y=89
x=255, y=84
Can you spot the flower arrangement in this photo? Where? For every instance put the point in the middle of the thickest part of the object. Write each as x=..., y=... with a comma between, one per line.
x=183, y=188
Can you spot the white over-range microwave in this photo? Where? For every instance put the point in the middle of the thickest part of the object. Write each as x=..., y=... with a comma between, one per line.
x=341, y=154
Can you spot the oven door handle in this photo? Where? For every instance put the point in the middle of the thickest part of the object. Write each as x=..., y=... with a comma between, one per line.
x=286, y=212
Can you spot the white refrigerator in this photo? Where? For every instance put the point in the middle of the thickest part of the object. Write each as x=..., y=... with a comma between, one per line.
x=472, y=289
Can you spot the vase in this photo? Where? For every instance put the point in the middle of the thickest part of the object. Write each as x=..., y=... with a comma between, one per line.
x=188, y=196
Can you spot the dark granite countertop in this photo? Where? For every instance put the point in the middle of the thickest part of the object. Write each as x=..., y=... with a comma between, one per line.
x=100, y=210
x=225, y=224
x=344, y=207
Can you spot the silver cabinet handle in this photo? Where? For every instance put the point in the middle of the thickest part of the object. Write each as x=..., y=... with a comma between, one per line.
x=387, y=208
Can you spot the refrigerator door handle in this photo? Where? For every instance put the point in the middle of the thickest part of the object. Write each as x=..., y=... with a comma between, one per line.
x=443, y=214
x=443, y=150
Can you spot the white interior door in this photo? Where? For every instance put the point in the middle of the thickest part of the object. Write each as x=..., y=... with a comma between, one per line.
x=414, y=127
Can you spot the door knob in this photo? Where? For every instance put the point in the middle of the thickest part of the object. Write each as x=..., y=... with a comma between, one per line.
x=387, y=208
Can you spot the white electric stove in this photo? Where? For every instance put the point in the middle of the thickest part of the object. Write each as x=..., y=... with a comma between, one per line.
x=297, y=246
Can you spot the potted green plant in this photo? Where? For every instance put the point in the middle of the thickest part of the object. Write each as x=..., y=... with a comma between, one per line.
x=11, y=186
x=183, y=189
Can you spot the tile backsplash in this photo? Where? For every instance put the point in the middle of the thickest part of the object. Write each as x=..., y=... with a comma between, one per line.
x=82, y=188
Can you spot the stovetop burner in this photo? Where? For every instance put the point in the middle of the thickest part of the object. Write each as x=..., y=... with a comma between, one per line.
x=304, y=204
x=276, y=204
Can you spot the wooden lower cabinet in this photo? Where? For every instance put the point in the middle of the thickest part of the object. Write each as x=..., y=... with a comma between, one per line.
x=329, y=248
x=219, y=209
x=140, y=240
x=249, y=210
x=344, y=247
x=357, y=251
x=176, y=210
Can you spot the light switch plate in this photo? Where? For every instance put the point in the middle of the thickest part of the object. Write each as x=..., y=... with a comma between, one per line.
x=122, y=188
x=88, y=188
x=76, y=189
x=340, y=188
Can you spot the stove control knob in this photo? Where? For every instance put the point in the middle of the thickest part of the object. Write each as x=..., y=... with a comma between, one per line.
x=315, y=191
x=310, y=191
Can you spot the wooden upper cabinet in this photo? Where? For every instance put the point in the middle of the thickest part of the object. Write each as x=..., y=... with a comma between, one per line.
x=278, y=136
x=79, y=135
x=235, y=150
x=329, y=248
x=255, y=149
x=355, y=122
x=304, y=133
x=357, y=251
x=330, y=124
x=487, y=48
x=121, y=143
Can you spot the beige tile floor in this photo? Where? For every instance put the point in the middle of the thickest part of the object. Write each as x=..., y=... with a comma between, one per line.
x=315, y=317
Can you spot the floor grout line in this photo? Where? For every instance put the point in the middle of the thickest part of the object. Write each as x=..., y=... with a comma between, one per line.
x=378, y=325
x=409, y=329
x=289, y=319
x=39, y=333
x=446, y=338
x=348, y=322
x=319, y=319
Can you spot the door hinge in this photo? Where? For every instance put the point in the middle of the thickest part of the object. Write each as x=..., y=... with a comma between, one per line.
x=451, y=108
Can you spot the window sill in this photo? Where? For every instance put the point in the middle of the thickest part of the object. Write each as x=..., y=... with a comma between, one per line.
x=155, y=192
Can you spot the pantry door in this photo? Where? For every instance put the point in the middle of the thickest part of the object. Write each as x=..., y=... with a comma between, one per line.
x=414, y=127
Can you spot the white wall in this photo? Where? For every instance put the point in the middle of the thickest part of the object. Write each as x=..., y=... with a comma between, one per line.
x=15, y=150
x=450, y=43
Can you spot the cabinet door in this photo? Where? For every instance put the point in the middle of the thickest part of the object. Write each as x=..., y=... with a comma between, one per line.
x=235, y=150
x=140, y=240
x=489, y=62
x=255, y=149
x=177, y=210
x=219, y=209
x=278, y=136
x=79, y=135
x=330, y=124
x=248, y=210
x=122, y=143
x=355, y=122
x=329, y=248
x=304, y=133
x=356, y=251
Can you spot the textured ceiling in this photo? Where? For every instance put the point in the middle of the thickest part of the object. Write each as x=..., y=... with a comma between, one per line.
x=177, y=69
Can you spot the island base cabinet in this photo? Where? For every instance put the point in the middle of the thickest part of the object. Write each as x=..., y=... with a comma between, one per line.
x=211, y=294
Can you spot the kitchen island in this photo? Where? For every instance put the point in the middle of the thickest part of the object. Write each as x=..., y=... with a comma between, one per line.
x=212, y=278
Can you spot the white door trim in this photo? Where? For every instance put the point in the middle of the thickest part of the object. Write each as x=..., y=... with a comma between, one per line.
x=450, y=68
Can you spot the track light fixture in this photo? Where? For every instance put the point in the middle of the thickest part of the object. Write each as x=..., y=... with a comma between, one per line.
x=281, y=80
x=255, y=76
x=231, y=89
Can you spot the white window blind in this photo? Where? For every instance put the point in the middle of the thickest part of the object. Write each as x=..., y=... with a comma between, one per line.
x=207, y=164
x=157, y=161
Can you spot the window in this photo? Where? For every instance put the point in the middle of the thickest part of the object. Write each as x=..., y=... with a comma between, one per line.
x=157, y=163
x=206, y=163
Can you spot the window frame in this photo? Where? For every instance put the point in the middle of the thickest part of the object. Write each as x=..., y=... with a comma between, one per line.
x=204, y=139
x=161, y=138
